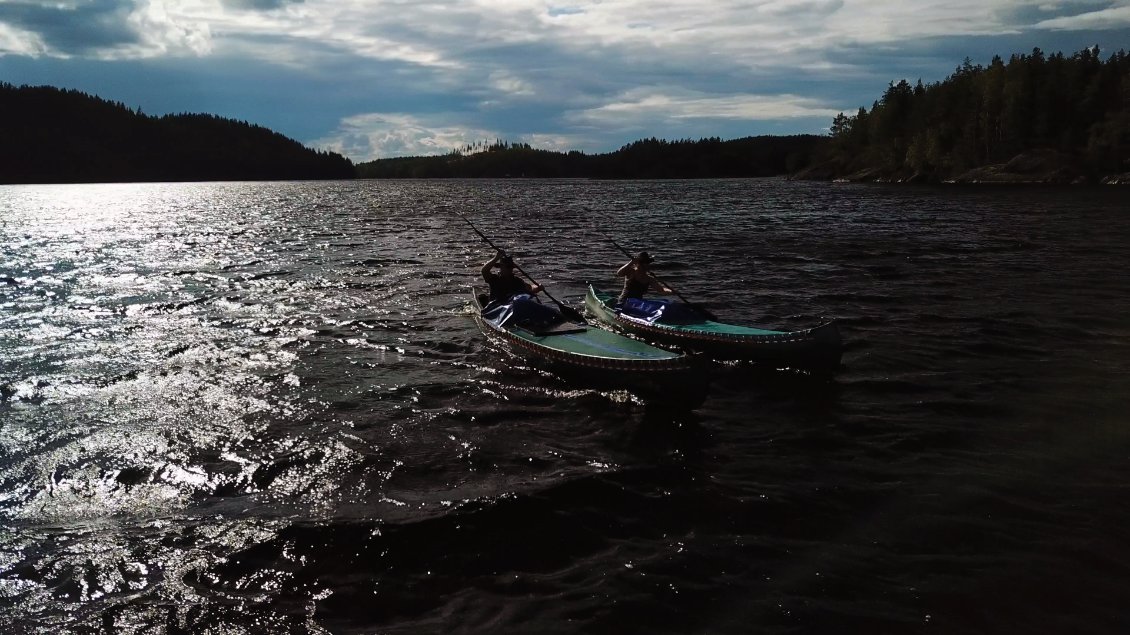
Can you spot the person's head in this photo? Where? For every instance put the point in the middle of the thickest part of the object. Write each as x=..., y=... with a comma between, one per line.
x=644, y=259
x=506, y=265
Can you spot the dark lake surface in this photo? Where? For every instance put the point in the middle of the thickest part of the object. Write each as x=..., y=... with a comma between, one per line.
x=265, y=408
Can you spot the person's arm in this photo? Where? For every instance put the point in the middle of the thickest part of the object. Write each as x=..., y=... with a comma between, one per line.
x=490, y=265
x=531, y=288
x=623, y=271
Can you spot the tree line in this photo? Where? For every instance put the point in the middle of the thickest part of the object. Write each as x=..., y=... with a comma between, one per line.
x=1076, y=108
x=67, y=136
x=644, y=159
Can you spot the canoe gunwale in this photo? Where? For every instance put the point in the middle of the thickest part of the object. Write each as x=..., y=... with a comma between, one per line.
x=783, y=337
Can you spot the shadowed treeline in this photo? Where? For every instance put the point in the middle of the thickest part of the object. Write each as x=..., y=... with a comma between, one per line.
x=645, y=159
x=66, y=136
x=1036, y=117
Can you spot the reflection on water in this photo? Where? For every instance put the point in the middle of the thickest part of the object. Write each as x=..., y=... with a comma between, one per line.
x=265, y=407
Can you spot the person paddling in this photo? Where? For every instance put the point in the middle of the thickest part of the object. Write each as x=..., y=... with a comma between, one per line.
x=638, y=279
x=504, y=284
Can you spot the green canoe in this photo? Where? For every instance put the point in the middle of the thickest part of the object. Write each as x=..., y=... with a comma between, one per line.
x=598, y=356
x=815, y=349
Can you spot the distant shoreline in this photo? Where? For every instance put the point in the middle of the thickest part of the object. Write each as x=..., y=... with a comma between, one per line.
x=1035, y=168
x=1000, y=183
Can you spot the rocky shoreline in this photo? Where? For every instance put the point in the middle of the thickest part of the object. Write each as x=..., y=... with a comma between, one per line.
x=1041, y=167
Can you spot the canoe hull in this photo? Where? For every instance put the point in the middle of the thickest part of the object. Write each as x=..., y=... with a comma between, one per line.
x=678, y=378
x=817, y=349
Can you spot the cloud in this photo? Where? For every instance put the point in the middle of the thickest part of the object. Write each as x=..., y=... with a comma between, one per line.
x=258, y=5
x=457, y=37
x=381, y=135
x=509, y=84
x=1104, y=19
x=878, y=22
x=645, y=104
x=72, y=28
x=558, y=142
x=385, y=135
x=801, y=7
x=454, y=35
x=16, y=41
x=108, y=29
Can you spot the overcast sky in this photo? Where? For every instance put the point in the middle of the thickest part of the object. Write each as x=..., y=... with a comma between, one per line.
x=382, y=78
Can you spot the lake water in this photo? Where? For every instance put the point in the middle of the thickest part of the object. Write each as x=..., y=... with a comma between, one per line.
x=265, y=408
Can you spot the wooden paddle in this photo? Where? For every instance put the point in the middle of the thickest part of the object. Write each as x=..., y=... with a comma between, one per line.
x=569, y=312
x=698, y=307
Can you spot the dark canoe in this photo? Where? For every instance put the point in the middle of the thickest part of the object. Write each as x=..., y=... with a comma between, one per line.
x=816, y=349
x=602, y=358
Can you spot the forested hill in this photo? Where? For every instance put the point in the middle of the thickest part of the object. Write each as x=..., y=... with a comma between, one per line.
x=1034, y=118
x=66, y=136
x=645, y=159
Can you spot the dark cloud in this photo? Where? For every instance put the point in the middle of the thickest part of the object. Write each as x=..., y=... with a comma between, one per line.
x=74, y=30
x=258, y=5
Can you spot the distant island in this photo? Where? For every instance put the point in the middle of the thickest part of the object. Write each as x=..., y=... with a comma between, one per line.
x=66, y=136
x=1035, y=119
x=644, y=159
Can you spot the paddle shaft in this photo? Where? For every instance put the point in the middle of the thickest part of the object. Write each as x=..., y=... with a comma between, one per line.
x=673, y=289
x=565, y=309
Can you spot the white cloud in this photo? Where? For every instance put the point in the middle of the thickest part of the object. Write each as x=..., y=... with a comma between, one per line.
x=880, y=22
x=801, y=7
x=759, y=31
x=381, y=30
x=382, y=135
x=18, y=42
x=1111, y=18
x=560, y=142
x=167, y=32
x=649, y=105
x=510, y=84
